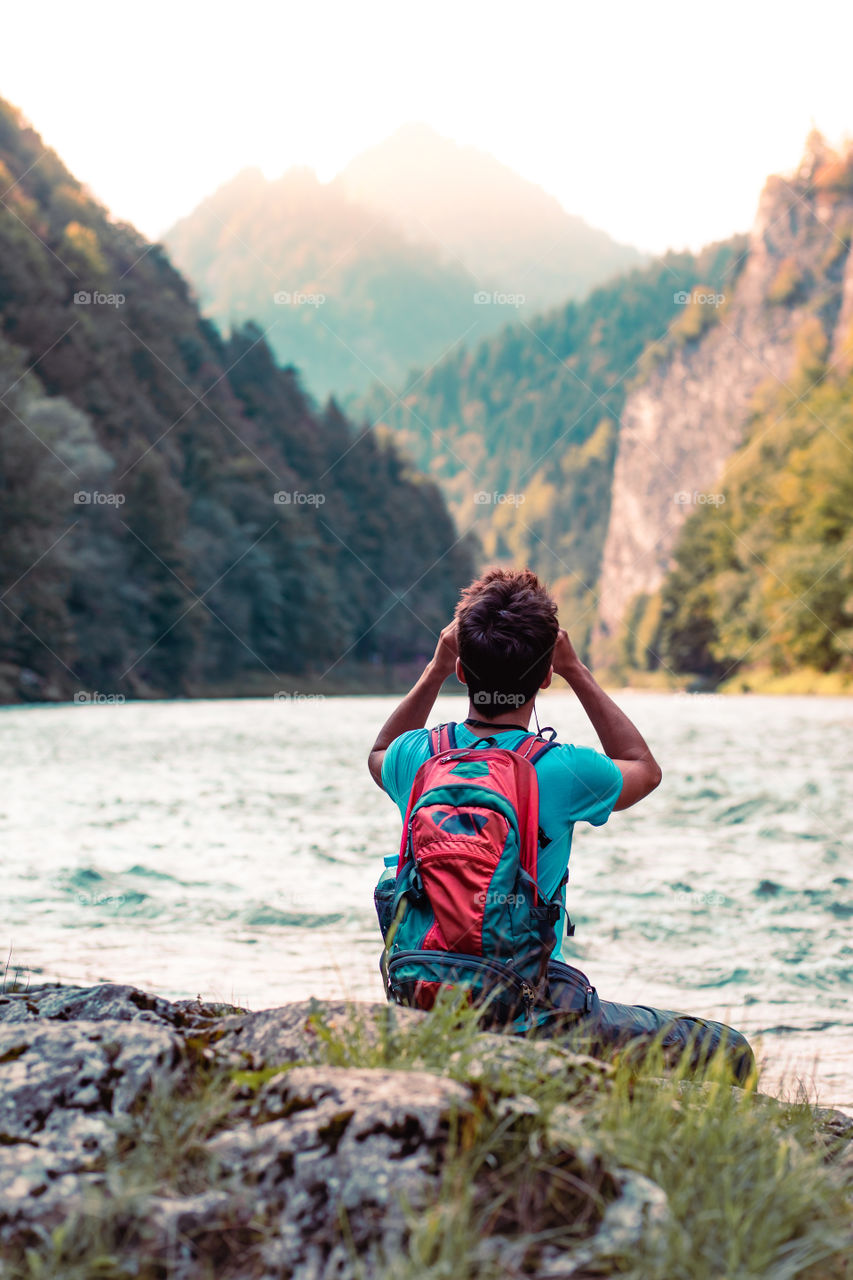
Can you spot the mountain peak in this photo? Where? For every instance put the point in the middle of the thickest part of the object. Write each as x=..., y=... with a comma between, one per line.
x=479, y=211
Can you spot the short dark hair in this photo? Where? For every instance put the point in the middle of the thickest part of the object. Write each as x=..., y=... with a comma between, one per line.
x=507, y=629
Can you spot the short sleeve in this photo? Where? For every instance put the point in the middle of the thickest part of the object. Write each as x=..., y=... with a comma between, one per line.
x=400, y=764
x=592, y=783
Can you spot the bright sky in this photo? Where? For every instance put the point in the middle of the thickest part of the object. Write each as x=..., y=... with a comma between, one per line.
x=657, y=122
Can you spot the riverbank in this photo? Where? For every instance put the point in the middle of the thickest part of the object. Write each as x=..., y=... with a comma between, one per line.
x=20, y=686
x=806, y=681
x=152, y=1138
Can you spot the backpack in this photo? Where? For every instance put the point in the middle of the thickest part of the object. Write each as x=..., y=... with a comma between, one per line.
x=467, y=910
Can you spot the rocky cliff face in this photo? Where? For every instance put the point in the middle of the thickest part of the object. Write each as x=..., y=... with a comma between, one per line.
x=680, y=425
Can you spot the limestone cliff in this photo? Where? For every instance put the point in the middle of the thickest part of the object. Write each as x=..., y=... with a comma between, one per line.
x=683, y=420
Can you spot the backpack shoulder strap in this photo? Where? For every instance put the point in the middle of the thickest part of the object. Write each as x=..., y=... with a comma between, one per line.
x=442, y=738
x=533, y=747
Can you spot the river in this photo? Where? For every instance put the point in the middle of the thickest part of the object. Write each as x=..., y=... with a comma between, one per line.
x=230, y=848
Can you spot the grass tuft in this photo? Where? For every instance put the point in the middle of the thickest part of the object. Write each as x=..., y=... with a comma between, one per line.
x=532, y=1166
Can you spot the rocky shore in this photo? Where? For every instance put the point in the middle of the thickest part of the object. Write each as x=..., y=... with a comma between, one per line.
x=143, y=1137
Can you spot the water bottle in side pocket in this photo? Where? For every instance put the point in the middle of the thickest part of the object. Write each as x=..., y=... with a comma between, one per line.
x=383, y=894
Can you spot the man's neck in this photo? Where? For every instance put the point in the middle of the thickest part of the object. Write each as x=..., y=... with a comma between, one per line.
x=517, y=718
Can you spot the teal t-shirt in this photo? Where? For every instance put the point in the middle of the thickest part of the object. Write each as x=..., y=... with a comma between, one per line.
x=576, y=784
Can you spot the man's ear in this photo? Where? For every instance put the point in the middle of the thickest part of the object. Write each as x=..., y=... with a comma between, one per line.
x=460, y=674
x=547, y=680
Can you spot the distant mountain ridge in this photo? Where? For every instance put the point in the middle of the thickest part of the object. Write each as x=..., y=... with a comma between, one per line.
x=341, y=292
x=374, y=290
x=509, y=233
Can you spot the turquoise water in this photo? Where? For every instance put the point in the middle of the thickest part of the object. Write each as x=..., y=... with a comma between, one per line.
x=230, y=849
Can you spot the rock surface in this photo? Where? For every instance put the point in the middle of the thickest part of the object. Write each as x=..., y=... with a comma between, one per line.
x=306, y=1165
x=62, y=1087
x=210, y=1140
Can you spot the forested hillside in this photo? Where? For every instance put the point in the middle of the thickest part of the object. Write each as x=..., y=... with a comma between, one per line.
x=176, y=512
x=587, y=437
x=521, y=431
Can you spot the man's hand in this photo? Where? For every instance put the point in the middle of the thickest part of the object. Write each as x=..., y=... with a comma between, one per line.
x=413, y=710
x=446, y=651
x=621, y=739
x=565, y=661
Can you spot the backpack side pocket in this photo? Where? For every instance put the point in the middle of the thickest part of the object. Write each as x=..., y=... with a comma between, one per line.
x=383, y=900
x=569, y=990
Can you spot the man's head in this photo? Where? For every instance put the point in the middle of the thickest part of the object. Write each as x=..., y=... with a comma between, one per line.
x=507, y=629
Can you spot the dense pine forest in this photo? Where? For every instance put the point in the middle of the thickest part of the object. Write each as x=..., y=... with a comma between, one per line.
x=176, y=511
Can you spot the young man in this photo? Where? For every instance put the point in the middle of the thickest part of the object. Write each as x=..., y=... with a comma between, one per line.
x=505, y=643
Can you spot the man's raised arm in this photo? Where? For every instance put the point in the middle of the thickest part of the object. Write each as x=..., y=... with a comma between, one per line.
x=413, y=710
x=619, y=737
